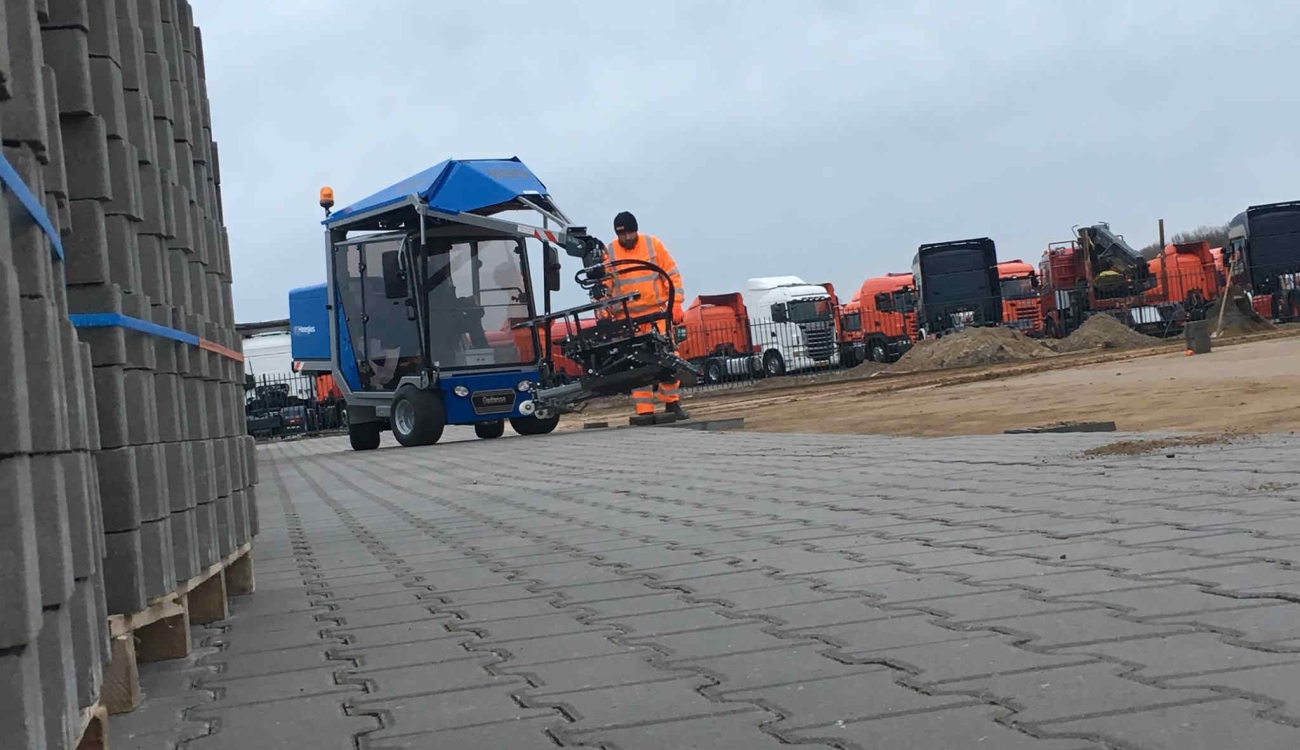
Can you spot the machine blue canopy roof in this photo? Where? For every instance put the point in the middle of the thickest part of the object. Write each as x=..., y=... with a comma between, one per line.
x=456, y=186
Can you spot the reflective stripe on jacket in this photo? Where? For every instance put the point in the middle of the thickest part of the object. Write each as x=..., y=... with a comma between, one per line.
x=650, y=285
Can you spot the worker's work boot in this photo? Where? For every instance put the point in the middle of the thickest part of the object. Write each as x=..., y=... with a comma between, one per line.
x=675, y=413
x=641, y=420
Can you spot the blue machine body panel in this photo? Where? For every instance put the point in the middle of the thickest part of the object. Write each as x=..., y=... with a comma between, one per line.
x=492, y=395
x=455, y=186
x=309, y=323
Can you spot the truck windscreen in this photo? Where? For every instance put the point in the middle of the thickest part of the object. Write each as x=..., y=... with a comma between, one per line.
x=905, y=301
x=810, y=310
x=1017, y=288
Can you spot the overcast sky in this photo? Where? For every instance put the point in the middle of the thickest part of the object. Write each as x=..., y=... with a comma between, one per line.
x=818, y=138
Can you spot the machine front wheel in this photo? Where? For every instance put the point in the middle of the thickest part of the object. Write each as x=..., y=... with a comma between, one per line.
x=417, y=416
x=533, y=425
x=364, y=436
x=490, y=430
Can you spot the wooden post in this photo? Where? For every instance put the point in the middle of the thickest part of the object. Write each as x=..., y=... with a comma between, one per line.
x=208, y=600
x=167, y=638
x=239, y=576
x=121, y=691
x=1162, y=235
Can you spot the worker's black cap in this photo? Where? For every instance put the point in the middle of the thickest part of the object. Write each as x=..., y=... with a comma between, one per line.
x=625, y=222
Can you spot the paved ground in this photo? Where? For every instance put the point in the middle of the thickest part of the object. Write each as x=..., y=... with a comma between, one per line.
x=665, y=589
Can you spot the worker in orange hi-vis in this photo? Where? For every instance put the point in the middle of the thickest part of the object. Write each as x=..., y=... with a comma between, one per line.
x=653, y=288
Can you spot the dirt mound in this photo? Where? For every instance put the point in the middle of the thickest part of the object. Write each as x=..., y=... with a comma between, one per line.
x=972, y=347
x=1103, y=332
x=1236, y=321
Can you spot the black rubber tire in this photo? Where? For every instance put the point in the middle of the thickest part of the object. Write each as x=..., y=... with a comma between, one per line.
x=714, y=371
x=428, y=417
x=342, y=416
x=878, y=351
x=533, y=425
x=773, y=363
x=490, y=430
x=365, y=436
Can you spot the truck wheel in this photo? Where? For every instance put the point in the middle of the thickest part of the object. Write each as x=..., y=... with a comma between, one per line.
x=490, y=430
x=713, y=371
x=878, y=351
x=534, y=426
x=773, y=363
x=364, y=437
x=342, y=416
x=417, y=416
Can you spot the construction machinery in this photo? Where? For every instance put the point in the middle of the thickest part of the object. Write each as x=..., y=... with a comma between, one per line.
x=714, y=334
x=1263, y=258
x=886, y=324
x=434, y=318
x=957, y=285
x=1021, y=309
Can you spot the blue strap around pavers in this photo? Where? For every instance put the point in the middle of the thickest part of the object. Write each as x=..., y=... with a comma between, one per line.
x=118, y=320
x=9, y=176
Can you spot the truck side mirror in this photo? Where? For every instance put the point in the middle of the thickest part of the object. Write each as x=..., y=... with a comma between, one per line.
x=779, y=313
x=394, y=277
x=551, y=268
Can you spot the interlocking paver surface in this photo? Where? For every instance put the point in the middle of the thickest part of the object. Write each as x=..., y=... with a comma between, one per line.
x=662, y=589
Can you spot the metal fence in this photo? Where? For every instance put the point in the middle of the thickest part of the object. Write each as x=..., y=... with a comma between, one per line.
x=278, y=406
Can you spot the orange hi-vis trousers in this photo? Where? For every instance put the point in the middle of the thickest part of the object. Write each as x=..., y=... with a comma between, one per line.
x=644, y=401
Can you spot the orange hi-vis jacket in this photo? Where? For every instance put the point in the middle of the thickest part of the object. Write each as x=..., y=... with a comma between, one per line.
x=652, y=287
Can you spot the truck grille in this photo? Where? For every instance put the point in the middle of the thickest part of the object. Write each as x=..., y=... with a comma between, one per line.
x=821, y=344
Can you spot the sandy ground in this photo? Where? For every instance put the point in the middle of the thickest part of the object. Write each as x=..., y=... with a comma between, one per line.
x=1247, y=387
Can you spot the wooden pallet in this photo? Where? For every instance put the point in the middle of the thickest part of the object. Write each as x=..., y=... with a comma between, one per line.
x=94, y=728
x=162, y=630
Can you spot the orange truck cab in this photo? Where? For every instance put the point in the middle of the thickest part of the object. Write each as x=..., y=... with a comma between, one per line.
x=1021, y=308
x=887, y=309
x=1185, y=273
x=852, y=349
x=715, y=335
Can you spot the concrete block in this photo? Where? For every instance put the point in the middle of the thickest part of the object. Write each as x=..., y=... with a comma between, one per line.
x=105, y=636
x=119, y=488
x=104, y=39
x=111, y=406
x=185, y=544
x=22, y=118
x=67, y=14
x=164, y=348
x=152, y=278
x=196, y=273
x=127, y=187
x=108, y=345
x=179, y=458
x=250, y=453
x=16, y=437
x=205, y=519
x=139, y=346
x=239, y=509
x=182, y=350
x=196, y=409
x=205, y=480
x=85, y=250
x=53, y=543
x=22, y=723
x=46, y=399
x=123, y=256
x=91, y=298
x=88, y=388
x=131, y=43
x=185, y=167
x=73, y=387
x=142, y=407
x=139, y=124
x=156, y=548
x=96, y=508
x=225, y=525
x=30, y=250
x=254, y=526
x=178, y=277
x=212, y=401
x=158, y=78
x=85, y=152
x=58, y=677
x=150, y=22
x=181, y=235
x=221, y=466
x=87, y=661
x=155, y=501
x=168, y=388
x=180, y=104
x=123, y=572
x=55, y=171
x=81, y=530
x=239, y=474
x=68, y=52
x=154, y=198
x=106, y=87
x=20, y=582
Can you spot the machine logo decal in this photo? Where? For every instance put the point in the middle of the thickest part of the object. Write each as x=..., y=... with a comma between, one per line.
x=493, y=402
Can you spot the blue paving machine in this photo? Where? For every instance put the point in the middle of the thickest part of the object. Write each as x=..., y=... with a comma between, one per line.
x=432, y=315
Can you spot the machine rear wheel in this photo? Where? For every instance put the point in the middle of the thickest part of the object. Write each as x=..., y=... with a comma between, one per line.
x=490, y=430
x=417, y=416
x=364, y=436
x=533, y=425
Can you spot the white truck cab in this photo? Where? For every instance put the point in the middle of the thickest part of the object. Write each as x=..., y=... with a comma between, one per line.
x=792, y=322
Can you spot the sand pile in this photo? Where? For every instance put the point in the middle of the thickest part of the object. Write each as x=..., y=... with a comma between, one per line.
x=972, y=347
x=1236, y=320
x=1103, y=331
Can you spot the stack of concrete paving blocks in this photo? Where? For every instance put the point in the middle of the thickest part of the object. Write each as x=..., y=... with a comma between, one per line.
x=53, y=623
x=123, y=467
